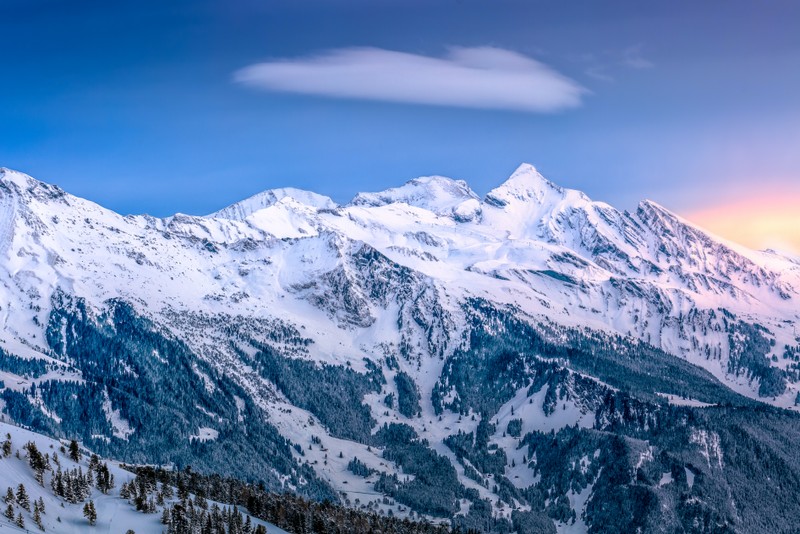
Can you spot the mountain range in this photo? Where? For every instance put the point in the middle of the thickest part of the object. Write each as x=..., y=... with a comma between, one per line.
x=529, y=361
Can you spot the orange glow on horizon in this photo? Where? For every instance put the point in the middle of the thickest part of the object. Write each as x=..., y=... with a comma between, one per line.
x=758, y=223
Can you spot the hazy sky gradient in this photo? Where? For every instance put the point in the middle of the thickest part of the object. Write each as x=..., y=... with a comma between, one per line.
x=136, y=105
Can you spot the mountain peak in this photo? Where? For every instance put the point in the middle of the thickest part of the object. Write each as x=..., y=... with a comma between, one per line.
x=437, y=194
x=11, y=176
x=648, y=210
x=29, y=187
x=243, y=209
x=525, y=184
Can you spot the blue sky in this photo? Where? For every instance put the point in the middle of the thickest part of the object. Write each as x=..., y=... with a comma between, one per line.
x=142, y=106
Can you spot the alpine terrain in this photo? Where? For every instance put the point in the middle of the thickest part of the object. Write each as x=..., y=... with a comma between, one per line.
x=532, y=361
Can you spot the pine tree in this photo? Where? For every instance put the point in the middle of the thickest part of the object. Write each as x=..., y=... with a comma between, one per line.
x=7, y=446
x=37, y=517
x=74, y=451
x=22, y=498
x=41, y=505
x=36, y=459
x=20, y=522
x=104, y=478
x=9, y=513
x=90, y=513
x=10, y=498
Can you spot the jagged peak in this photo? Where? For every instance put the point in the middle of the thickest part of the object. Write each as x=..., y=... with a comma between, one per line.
x=437, y=194
x=26, y=185
x=647, y=210
x=242, y=209
x=17, y=177
x=663, y=222
x=648, y=204
x=528, y=184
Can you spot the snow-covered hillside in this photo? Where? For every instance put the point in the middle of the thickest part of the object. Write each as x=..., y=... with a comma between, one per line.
x=389, y=295
x=114, y=513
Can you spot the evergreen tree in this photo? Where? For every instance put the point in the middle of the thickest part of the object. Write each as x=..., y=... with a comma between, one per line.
x=38, y=462
x=10, y=498
x=9, y=513
x=166, y=490
x=22, y=498
x=7, y=446
x=90, y=513
x=37, y=517
x=74, y=451
x=20, y=522
x=104, y=478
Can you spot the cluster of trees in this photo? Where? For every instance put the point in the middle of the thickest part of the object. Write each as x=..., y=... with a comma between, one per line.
x=359, y=468
x=28, y=367
x=39, y=462
x=22, y=501
x=187, y=517
x=72, y=485
x=145, y=494
x=481, y=518
x=749, y=346
x=287, y=511
x=337, y=397
x=476, y=449
x=514, y=428
x=435, y=488
x=408, y=396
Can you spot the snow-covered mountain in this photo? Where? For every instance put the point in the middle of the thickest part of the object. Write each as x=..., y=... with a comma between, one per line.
x=320, y=323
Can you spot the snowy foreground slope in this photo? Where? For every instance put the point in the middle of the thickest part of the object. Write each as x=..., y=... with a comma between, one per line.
x=114, y=513
x=435, y=336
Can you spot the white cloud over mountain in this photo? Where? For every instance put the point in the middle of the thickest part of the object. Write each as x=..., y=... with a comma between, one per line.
x=479, y=77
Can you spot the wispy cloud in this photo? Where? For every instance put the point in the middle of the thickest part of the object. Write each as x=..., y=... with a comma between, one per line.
x=599, y=72
x=632, y=57
x=482, y=77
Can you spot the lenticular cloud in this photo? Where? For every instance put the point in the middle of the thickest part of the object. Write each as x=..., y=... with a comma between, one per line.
x=483, y=77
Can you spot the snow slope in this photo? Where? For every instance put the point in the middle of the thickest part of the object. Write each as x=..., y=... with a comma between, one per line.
x=114, y=514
